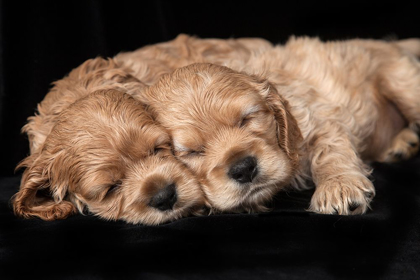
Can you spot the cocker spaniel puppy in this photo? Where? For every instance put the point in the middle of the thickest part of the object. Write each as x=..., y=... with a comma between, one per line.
x=306, y=111
x=232, y=130
x=94, y=147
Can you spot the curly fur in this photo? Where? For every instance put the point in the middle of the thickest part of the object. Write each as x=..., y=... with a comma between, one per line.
x=95, y=148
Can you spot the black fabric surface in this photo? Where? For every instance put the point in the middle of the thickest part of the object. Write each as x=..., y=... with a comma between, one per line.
x=40, y=41
x=286, y=243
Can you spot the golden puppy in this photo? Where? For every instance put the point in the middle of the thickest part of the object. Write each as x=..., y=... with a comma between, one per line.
x=102, y=152
x=325, y=110
x=106, y=154
x=232, y=130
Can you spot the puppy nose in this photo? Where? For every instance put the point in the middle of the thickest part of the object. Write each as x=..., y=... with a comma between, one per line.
x=165, y=198
x=244, y=170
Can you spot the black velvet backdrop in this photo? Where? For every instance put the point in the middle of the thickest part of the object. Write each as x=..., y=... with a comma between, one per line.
x=41, y=41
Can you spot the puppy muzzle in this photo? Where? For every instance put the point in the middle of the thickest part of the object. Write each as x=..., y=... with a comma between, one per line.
x=244, y=170
x=165, y=199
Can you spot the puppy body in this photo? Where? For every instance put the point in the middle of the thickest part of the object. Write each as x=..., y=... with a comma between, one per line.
x=149, y=63
x=352, y=100
x=337, y=106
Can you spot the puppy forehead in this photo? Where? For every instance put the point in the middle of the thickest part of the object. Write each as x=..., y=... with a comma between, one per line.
x=205, y=87
x=212, y=104
x=112, y=122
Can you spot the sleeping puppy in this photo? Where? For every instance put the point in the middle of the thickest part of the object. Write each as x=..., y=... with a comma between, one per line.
x=102, y=152
x=107, y=155
x=324, y=112
x=232, y=130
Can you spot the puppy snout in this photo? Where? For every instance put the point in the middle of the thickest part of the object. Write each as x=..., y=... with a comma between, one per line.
x=165, y=198
x=244, y=170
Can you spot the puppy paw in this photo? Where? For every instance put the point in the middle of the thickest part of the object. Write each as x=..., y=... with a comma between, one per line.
x=404, y=146
x=343, y=196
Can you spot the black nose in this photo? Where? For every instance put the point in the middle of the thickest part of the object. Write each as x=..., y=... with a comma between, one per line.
x=165, y=198
x=244, y=170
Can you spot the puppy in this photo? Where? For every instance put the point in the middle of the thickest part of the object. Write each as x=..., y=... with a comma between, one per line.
x=101, y=151
x=322, y=113
x=232, y=130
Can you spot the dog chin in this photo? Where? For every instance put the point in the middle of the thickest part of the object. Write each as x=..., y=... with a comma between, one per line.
x=254, y=200
x=157, y=217
x=258, y=196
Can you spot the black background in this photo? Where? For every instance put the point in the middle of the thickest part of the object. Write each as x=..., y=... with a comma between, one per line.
x=41, y=41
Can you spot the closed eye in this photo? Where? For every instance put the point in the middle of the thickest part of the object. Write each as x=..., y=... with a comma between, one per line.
x=190, y=153
x=245, y=121
x=250, y=115
x=162, y=149
x=113, y=188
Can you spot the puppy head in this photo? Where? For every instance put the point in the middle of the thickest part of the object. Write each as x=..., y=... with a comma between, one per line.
x=233, y=130
x=108, y=155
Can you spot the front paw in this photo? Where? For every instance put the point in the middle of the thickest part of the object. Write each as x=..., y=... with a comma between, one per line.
x=344, y=195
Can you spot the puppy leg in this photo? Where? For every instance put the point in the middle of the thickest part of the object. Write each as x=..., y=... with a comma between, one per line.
x=404, y=146
x=340, y=176
x=399, y=81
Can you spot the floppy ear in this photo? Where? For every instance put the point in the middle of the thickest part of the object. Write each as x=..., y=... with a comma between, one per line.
x=288, y=133
x=30, y=202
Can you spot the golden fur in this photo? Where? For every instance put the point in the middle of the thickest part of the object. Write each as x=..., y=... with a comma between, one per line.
x=94, y=147
x=216, y=118
x=149, y=63
x=305, y=110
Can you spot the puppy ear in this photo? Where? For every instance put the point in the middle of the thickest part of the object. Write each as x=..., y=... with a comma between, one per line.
x=29, y=201
x=288, y=132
